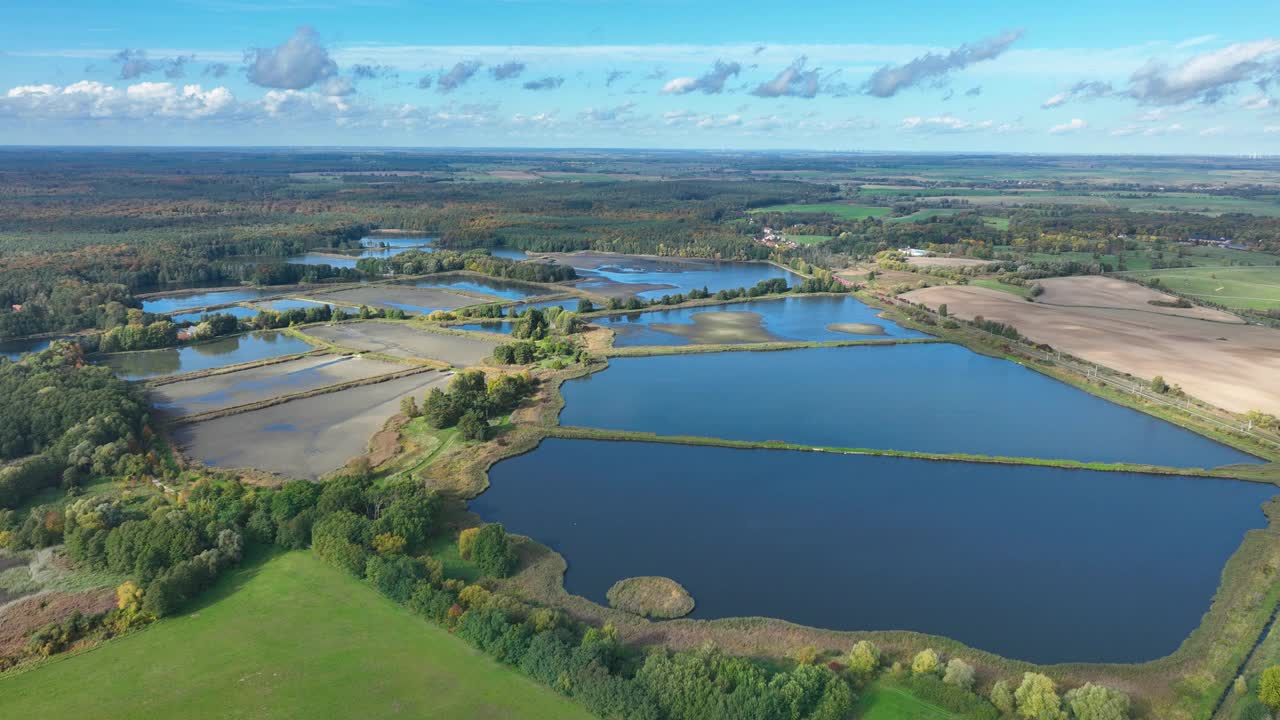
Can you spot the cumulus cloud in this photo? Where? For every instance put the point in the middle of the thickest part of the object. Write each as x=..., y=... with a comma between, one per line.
x=546, y=83
x=94, y=100
x=1257, y=102
x=296, y=64
x=507, y=70
x=1206, y=77
x=614, y=76
x=1083, y=90
x=424, y=82
x=216, y=70
x=1075, y=125
x=710, y=83
x=793, y=81
x=1213, y=131
x=974, y=91
x=701, y=121
x=1147, y=131
x=457, y=76
x=889, y=80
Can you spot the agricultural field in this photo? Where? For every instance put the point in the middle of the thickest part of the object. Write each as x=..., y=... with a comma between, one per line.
x=845, y=212
x=1233, y=366
x=1245, y=288
x=1111, y=292
x=289, y=637
x=405, y=340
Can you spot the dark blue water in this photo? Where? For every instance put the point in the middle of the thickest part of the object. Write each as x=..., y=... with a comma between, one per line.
x=213, y=354
x=793, y=318
x=15, y=349
x=240, y=312
x=1039, y=564
x=934, y=398
x=676, y=277
x=168, y=305
x=496, y=287
x=490, y=326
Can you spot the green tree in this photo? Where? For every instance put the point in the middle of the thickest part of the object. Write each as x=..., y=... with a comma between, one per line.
x=1096, y=702
x=1002, y=697
x=492, y=551
x=1037, y=698
x=1158, y=385
x=472, y=426
x=1269, y=687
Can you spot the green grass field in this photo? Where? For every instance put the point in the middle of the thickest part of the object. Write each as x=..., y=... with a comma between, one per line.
x=1246, y=288
x=848, y=212
x=883, y=702
x=290, y=637
x=920, y=215
x=1002, y=287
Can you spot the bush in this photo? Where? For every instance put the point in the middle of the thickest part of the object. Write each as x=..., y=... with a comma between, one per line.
x=925, y=661
x=472, y=426
x=1096, y=702
x=1037, y=698
x=959, y=673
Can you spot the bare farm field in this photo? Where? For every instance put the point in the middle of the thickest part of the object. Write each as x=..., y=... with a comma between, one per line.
x=303, y=438
x=227, y=390
x=1234, y=366
x=406, y=341
x=946, y=262
x=1103, y=292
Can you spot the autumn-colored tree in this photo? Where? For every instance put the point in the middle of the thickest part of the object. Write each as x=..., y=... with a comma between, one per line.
x=864, y=658
x=959, y=673
x=1269, y=687
x=1097, y=702
x=1002, y=697
x=388, y=543
x=467, y=542
x=805, y=655
x=1037, y=698
x=925, y=661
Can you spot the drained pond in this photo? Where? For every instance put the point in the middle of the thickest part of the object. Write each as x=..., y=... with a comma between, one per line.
x=1040, y=564
x=927, y=397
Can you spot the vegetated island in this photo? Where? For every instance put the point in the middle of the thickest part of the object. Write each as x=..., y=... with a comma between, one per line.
x=651, y=596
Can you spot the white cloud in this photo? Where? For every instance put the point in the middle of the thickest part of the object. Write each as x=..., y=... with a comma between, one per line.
x=89, y=99
x=1256, y=102
x=1213, y=131
x=1205, y=77
x=952, y=124
x=1074, y=126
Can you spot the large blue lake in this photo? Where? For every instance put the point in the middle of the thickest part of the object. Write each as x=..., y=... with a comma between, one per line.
x=934, y=398
x=204, y=356
x=1040, y=564
x=793, y=318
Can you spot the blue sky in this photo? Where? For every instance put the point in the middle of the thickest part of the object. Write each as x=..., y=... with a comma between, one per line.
x=1106, y=77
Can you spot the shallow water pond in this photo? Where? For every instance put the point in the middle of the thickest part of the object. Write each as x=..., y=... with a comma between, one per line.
x=933, y=398
x=655, y=277
x=496, y=287
x=1039, y=564
x=204, y=356
x=200, y=300
x=821, y=318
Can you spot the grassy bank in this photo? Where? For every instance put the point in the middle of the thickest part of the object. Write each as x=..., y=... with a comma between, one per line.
x=290, y=637
x=1266, y=474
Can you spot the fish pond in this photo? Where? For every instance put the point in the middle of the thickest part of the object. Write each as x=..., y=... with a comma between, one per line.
x=205, y=299
x=243, y=313
x=625, y=275
x=1039, y=564
x=489, y=326
x=496, y=287
x=927, y=397
x=203, y=356
x=15, y=349
x=820, y=318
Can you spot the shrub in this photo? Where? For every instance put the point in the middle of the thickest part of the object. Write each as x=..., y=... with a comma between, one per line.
x=493, y=553
x=467, y=542
x=1269, y=687
x=959, y=673
x=1002, y=697
x=864, y=658
x=1096, y=702
x=1037, y=698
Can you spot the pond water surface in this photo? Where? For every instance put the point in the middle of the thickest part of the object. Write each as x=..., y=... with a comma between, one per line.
x=497, y=287
x=1039, y=564
x=489, y=326
x=934, y=398
x=195, y=317
x=215, y=353
x=793, y=318
x=199, y=300
x=15, y=349
x=617, y=272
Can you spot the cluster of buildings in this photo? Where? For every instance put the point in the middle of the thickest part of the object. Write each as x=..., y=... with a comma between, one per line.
x=775, y=240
